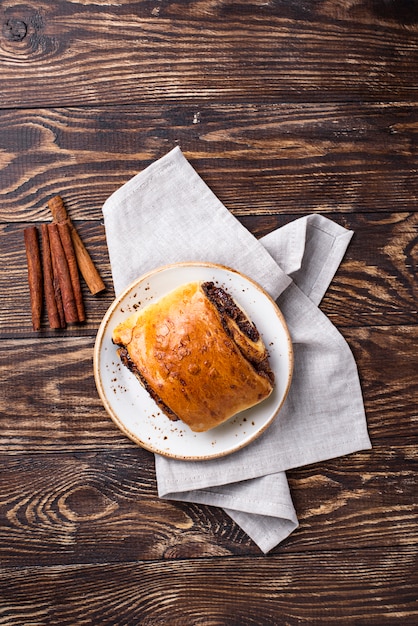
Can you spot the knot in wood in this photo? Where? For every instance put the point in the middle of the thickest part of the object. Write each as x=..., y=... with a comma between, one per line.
x=14, y=29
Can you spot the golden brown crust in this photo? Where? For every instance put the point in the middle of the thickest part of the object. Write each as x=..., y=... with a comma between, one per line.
x=188, y=357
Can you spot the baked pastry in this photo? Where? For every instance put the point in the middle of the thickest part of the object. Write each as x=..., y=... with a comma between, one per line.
x=198, y=355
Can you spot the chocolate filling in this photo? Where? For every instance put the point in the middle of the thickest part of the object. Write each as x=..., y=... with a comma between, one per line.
x=227, y=306
x=127, y=361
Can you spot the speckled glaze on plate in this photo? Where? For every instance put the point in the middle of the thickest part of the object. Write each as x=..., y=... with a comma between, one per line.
x=136, y=413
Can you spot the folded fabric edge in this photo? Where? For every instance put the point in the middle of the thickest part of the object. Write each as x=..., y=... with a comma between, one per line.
x=169, y=486
x=131, y=185
x=174, y=165
x=266, y=532
x=270, y=507
x=287, y=244
x=335, y=257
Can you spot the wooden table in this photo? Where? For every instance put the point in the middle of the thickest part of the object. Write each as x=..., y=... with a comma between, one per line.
x=284, y=109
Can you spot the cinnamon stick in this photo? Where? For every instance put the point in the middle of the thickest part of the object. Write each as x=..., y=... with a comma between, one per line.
x=67, y=244
x=57, y=291
x=85, y=263
x=33, y=256
x=51, y=295
x=63, y=274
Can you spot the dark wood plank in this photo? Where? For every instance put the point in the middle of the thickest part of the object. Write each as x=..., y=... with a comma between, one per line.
x=67, y=53
x=375, y=284
x=389, y=376
x=58, y=399
x=57, y=406
x=368, y=587
x=103, y=506
x=367, y=498
x=260, y=159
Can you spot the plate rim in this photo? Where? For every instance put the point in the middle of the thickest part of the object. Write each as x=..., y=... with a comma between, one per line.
x=101, y=333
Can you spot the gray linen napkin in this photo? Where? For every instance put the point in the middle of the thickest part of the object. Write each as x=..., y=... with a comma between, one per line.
x=168, y=214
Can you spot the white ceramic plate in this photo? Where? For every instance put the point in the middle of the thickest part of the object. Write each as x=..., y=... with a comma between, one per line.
x=134, y=411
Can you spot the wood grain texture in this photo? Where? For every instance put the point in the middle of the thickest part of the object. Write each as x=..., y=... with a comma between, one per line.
x=284, y=108
x=289, y=590
x=375, y=284
x=58, y=407
x=259, y=158
x=68, y=53
x=103, y=507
